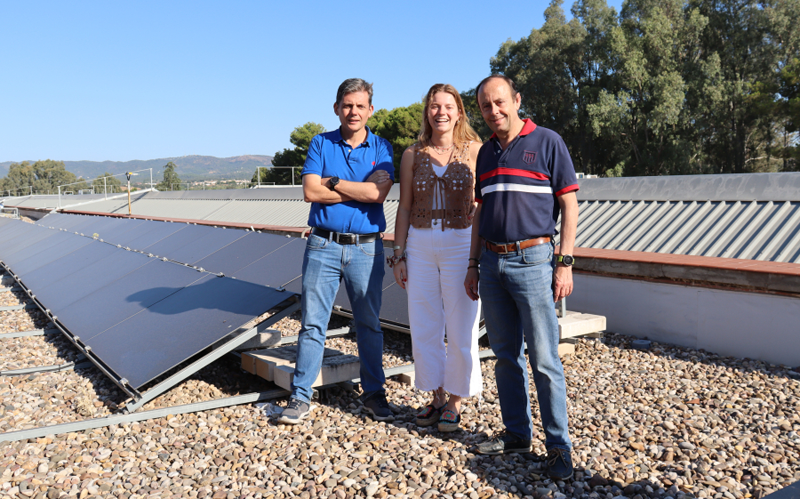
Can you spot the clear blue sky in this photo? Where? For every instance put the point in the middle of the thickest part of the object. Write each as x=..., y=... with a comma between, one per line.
x=143, y=80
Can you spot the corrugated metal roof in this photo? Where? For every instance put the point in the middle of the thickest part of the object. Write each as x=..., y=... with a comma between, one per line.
x=753, y=230
x=748, y=216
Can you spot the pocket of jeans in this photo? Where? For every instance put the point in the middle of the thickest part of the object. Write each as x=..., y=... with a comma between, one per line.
x=537, y=255
x=316, y=242
x=374, y=248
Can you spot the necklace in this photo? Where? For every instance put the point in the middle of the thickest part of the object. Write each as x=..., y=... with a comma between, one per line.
x=441, y=150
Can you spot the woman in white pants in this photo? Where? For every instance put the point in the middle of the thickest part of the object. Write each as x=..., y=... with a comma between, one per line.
x=431, y=256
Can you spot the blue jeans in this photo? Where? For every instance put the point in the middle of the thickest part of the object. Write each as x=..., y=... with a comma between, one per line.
x=325, y=265
x=517, y=297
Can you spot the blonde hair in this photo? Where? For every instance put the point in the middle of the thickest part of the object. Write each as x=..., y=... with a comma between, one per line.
x=462, y=131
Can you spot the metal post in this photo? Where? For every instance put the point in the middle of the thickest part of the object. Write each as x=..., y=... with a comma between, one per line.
x=105, y=187
x=59, y=196
x=258, y=175
x=292, y=174
x=151, y=178
x=128, y=174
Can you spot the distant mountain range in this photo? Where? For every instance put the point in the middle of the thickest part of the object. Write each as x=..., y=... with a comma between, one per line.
x=187, y=167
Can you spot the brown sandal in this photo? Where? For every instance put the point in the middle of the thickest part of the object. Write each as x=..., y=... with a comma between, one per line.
x=449, y=421
x=429, y=416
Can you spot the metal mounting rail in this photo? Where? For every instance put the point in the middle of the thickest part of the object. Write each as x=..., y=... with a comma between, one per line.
x=90, y=424
x=33, y=332
x=22, y=306
x=216, y=353
x=79, y=363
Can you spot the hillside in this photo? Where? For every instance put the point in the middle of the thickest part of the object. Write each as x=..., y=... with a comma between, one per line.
x=187, y=167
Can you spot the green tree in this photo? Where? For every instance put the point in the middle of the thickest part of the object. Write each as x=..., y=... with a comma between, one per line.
x=400, y=126
x=41, y=177
x=109, y=184
x=171, y=180
x=301, y=139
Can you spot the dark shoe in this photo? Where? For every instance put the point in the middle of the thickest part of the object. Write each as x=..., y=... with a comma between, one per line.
x=504, y=443
x=559, y=464
x=377, y=405
x=449, y=421
x=295, y=412
x=429, y=415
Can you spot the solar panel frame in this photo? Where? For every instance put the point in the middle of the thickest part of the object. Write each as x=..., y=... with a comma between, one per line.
x=152, y=342
x=119, y=263
x=234, y=257
x=125, y=297
x=48, y=251
x=195, y=242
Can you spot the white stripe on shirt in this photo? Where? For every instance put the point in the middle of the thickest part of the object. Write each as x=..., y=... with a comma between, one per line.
x=518, y=188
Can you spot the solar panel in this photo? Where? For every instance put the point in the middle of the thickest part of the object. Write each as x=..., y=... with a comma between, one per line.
x=278, y=267
x=58, y=295
x=48, y=251
x=67, y=265
x=15, y=236
x=236, y=256
x=151, y=342
x=121, y=226
x=26, y=242
x=111, y=304
x=146, y=234
x=194, y=242
x=60, y=221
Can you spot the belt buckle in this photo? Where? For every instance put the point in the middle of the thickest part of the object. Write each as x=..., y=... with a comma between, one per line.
x=504, y=247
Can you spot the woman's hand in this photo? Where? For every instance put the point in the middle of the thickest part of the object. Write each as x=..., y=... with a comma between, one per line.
x=400, y=274
x=472, y=211
x=471, y=283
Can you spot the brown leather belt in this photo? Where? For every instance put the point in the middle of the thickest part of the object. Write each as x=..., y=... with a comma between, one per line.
x=346, y=238
x=514, y=247
x=437, y=214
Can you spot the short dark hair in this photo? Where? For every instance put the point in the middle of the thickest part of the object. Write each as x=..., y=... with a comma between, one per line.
x=503, y=77
x=351, y=85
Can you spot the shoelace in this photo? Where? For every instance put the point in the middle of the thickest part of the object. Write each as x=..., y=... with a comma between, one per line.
x=554, y=455
x=294, y=404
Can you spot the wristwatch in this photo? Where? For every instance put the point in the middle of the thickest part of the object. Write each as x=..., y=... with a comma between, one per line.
x=567, y=260
x=332, y=183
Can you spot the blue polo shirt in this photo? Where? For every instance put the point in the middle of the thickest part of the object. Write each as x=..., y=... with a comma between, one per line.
x=518, y=188
x=329, y=155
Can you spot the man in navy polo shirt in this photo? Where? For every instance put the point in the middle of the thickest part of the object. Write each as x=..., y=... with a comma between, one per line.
x=524, y=177
x=346, y=177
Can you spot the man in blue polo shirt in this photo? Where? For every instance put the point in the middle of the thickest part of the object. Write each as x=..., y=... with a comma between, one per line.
x=524, y=178
x=346, y=177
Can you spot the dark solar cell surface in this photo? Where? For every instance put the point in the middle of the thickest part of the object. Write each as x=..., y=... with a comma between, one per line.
x=95, y=225
x=73, y=263
x=59, y=295
x=146, y=234
x=277, y=268
x=195, y=242
x=14, y=236
x=125, y=296
x=25, y=243
x=50, y=250
x=173, y=330
x=4, y=221
x=60, y=221
x=115, y=231
x=234, y=257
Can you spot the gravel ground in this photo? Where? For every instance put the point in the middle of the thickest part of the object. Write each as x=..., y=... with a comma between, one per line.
x=668, y=422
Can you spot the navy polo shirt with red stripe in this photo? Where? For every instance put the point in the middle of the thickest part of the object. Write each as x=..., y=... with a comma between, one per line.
x=518, y=187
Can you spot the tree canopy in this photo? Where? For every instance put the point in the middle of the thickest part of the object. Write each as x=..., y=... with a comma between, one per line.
x=665, y=86
x=301, y=139
x=400, y=126
x=41, y=177
x=171, y=180
x=109, y=184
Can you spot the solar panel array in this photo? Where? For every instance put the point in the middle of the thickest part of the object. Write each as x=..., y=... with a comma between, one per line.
x=142, y=296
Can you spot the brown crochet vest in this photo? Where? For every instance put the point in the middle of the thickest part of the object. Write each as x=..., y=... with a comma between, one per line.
x=456, y=190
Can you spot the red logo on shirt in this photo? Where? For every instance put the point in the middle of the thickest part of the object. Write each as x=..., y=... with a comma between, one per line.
x=373, y=163
x=529, y=157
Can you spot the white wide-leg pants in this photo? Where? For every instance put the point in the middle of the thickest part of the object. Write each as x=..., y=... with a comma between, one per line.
x=437, y=263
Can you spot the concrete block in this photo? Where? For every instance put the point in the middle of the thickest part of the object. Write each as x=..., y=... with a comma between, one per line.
x=407, y=378
x=262, y=362
x=335, y=369
x=565, y=349
x=262, y=340
x=579, y=324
